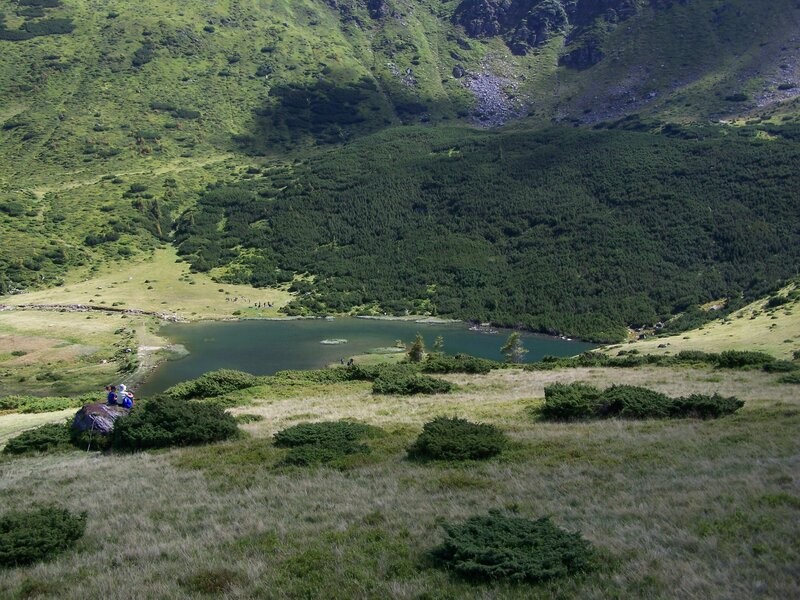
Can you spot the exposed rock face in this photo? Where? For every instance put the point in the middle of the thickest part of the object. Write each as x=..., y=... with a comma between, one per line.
x=525, y=24
x=98, y=417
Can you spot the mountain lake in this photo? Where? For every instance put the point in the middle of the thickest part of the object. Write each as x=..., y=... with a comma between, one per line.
x=263, y=347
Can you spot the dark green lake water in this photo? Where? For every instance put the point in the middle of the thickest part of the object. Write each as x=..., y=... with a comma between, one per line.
x=264, y=347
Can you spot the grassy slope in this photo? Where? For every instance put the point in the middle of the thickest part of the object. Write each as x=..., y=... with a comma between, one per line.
x=775, y=331
x=161, y=283
x=688, y=508
x=65, y=353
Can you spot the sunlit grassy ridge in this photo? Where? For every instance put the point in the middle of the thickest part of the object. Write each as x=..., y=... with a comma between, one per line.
x=698, y=508
x=757, y=326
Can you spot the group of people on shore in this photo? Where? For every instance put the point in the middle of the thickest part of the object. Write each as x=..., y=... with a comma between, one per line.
x=119, y=396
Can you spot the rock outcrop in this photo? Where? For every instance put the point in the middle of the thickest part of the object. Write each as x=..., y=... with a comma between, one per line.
x=97, y=417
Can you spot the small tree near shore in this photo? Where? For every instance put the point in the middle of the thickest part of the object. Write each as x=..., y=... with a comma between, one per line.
x=513, y=349
x=417, y=350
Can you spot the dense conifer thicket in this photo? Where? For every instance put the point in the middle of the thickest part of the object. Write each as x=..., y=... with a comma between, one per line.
x=169, y=422
x=571, y=401
x=28, y=536
x=562, y=230
x=499, y=546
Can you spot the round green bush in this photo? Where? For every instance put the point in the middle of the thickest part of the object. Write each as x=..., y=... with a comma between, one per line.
x=702, y=406
x=212, y=384
x=634, y=402
x=325, y=442
x=451, y=438
x=570, y=401
x=460, y=363
x=168, y=422
x=47, y=438
x=793, y=377
x=324, y=433
x=408, y=384
x=736, y=359
x=30, y=536
x=307, y=456
x=781, y=366
x=498, y=546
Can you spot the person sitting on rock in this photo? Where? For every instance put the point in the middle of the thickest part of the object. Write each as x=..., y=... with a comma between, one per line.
x=111, y=397
x=127, y=400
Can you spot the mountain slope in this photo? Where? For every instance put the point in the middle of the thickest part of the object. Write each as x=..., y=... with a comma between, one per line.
x=135, y=79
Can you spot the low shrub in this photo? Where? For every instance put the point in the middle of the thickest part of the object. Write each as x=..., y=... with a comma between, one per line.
x=736, y=359
x=568, y=402
x=790, y=378
x=781, y=366
x=311, y=455
x=701, y=406
x=408, y=384
x=451, y=438
x=324, y=442
x=737, y=97
x=36, y=404
x=47, y=438
x=696, y=356
x=212, y=384
x=460, y=363
x=30, y=536
x=632, y=402
x=186, y=113
x=169, y=422
x=164, y=106
x=324, y=433
x=498, y=546
x=776, y=301
x=319, y=375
